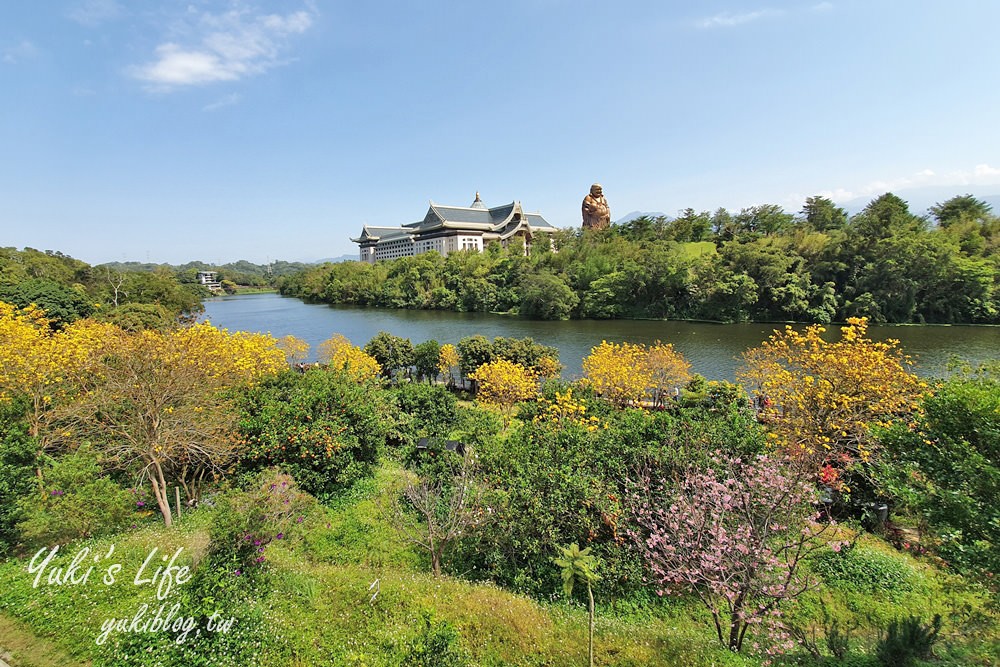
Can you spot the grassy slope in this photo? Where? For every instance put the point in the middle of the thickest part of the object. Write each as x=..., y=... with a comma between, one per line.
x=19, y=647
x=319, y=610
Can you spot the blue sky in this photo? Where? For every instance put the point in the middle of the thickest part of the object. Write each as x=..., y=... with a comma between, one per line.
x=220, y=129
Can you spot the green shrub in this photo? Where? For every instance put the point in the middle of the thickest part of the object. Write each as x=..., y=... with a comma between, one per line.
x=323, y=428
x=74, y=499
x=245, y=522
x=248, y=640
x=947, y=470
x=865, y=570
x=906, y=640
x=17, y=470
x=436, y=644
x=432, y=408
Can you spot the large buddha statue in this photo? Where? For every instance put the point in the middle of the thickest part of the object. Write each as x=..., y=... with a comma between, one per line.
x=596, y=213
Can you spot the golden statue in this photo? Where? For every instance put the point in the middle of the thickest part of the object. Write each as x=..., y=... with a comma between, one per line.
x=596, y=213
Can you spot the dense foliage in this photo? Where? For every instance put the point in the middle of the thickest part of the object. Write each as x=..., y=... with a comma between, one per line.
x=73, y=499
x=764, y=264
x=68, y=289
x=947, y=469
x=561, y=478
x=326, y=428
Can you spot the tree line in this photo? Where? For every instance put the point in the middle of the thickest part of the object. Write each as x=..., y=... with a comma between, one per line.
x=762, y=264
x=133, y=295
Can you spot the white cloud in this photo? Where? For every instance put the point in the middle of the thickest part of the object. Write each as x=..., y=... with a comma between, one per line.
x=226, y=101
x=24, y=50
x=986, y=171
x=92, y=13
x=729, y=19
x=981, y=174
x=230, y=47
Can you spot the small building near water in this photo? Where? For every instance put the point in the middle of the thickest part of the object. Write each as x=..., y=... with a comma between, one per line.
x=210, y=279
x=447, y=229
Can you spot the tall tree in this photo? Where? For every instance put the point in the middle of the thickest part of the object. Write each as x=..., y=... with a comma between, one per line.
x=618, y=372
x=155, y=402
x=962, y=207
x=884, y=216
x=425, y=359
x=822, y=214
x=825, y=395
x=393, y=353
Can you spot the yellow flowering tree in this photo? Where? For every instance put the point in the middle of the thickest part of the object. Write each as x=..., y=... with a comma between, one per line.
x=44, y=365
x=339, y=354
x=156, y=402
x=296, y=350
x=547, y=367
x=667, y=368
x=619, y=372
x=503, y=384
x=448, y=361
x=824, y=395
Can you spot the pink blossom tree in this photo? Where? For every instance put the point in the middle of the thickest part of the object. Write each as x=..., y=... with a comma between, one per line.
x=734, y=535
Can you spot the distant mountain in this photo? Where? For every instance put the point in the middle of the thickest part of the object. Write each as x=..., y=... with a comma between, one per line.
x=629, y=217
x=921, y=199
x=336, y=260
x=275, y=268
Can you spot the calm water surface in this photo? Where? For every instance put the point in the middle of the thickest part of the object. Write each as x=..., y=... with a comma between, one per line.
x=712, y=349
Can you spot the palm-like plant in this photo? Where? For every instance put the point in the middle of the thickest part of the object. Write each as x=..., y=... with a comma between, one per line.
x=579, y=565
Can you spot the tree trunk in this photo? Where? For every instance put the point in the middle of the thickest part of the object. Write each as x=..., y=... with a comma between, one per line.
x=435, y=555
x=735, y=637
x=590, y=595
x=160, y=491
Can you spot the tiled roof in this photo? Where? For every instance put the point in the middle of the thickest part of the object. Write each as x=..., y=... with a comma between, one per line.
x=476, y=216
x=536, y=220
x=503, y=219
x=381, y=233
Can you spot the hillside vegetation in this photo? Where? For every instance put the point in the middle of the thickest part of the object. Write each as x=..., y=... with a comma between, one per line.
x=370, y=511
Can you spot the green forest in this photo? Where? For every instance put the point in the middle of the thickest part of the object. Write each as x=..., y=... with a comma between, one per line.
x=761, y=264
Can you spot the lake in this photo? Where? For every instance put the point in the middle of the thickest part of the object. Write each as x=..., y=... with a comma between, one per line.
x=712, y=349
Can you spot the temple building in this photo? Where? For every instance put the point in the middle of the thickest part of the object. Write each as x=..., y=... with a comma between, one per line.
x=448, y=229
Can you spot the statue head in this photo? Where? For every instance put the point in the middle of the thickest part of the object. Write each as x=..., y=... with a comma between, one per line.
x=596, y=190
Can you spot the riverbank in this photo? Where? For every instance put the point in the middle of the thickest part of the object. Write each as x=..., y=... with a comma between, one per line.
x=256, y=290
